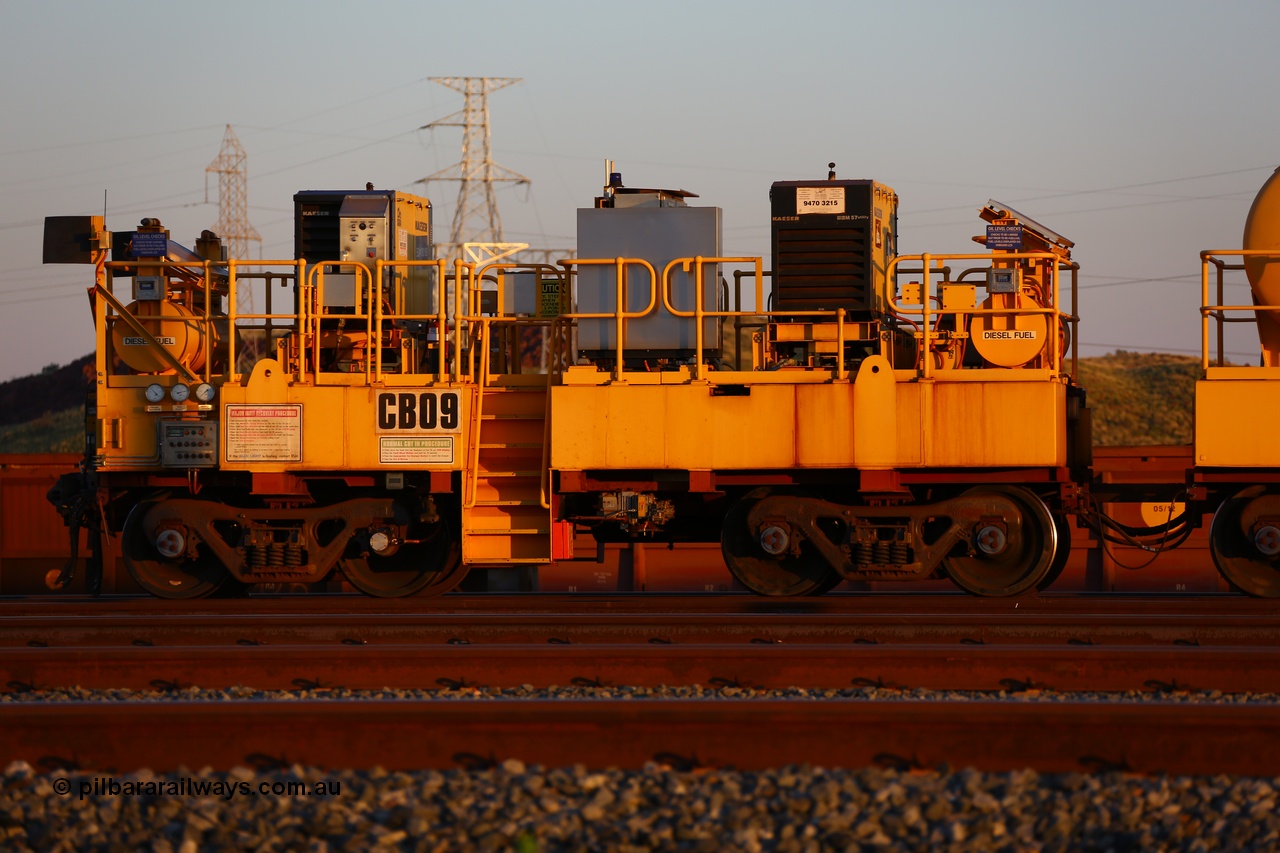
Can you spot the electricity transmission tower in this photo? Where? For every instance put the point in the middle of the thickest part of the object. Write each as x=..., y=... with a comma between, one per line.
x=477, y=228
x=233, y=207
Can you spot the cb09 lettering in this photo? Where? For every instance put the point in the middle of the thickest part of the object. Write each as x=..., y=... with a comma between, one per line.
x=428, y=410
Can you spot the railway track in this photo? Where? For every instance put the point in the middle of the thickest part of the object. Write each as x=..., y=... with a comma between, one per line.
x=683, y=734
x=900, y=642
x=740, y=646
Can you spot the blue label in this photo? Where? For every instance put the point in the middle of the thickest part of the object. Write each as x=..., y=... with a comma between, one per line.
x=1004, y=236
x=150, y=244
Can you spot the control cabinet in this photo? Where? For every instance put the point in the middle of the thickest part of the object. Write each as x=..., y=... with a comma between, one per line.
x=188, y=444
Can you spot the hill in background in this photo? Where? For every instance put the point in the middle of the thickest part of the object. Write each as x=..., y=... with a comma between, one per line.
x=54, y=389
x=1136, y=398
x=1140, y=397
x=44, y=412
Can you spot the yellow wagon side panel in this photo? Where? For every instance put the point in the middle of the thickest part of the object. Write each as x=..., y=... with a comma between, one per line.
x=672, y=426
x=1236, y=422
x=986, y=425
x=824, y=425
x=938, y=424
x=338, y=427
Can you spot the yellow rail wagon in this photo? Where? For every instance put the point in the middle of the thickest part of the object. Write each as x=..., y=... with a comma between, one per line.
x=889, y=418
x=1237, y=457
x=274, y=421
x=368, y=410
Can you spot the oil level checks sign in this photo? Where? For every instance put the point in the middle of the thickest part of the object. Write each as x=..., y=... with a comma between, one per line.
x=1007, y=237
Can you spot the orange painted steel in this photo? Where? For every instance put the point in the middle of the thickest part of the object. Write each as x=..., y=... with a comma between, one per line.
x=33, y=539
x=403, y=735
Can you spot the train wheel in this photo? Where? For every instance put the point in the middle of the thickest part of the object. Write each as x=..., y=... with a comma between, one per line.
x=175, y=576
x=762, y=572
x=1013, y=556
x=1061, y=554
x=1245, y=544
x=430, y=566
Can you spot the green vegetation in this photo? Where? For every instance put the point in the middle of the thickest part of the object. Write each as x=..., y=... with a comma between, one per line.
x=1140, y=398
x=54, y=432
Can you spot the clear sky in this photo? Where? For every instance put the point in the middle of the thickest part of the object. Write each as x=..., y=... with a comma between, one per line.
x=1140, y=130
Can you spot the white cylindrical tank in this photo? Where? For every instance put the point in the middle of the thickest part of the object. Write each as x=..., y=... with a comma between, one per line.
x=1262, y=232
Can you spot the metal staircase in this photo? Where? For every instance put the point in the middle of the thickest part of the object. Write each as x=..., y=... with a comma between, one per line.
x=504, y=519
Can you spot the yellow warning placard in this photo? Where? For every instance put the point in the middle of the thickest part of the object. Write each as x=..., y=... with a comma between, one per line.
x=549, y=297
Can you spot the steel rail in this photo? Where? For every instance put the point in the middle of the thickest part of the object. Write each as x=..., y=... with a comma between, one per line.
x=1210, y=621
x=401, y=735
x=981, y=667
x=916, y=603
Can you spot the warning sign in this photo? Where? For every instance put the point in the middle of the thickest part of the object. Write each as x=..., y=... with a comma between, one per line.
x=549, y=297
x=264, y=433
x=1008, y=237
x=436, y=450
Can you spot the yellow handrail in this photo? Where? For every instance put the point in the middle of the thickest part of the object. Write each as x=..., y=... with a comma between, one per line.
x=619, y=314
x=699, y=313
x=482, y=381
x=136, y=326
x=927, y=260
x=1207, y=309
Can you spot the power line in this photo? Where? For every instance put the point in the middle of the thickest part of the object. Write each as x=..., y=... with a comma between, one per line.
x=1130, y=347
x=1114, y=189
x=148, y=135
x=476, y=219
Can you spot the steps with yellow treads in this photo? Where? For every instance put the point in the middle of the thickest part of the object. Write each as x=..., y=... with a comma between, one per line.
x=503, y=520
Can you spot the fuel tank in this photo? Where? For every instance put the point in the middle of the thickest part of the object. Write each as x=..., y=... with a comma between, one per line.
x=1262, y=231
x=174, y=327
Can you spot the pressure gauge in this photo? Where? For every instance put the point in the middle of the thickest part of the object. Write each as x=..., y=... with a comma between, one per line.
x=204, y=392
x=179, y=393
x=155, y=392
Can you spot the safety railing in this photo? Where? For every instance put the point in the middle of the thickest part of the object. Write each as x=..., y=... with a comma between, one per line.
x=696, y=265
x=1218, y=310
x=382, y=304
x=199, y=287
x=257, y=330
x=933, y=264
x=510, y=323
x=620, y=315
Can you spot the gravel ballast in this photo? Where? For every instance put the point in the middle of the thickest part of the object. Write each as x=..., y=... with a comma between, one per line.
x=530, y=808
x=514, y=807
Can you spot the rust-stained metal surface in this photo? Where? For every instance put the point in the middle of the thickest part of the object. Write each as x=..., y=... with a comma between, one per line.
x=628, y=618
x=33, y=539
x=397, y=735
x=751, y=665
